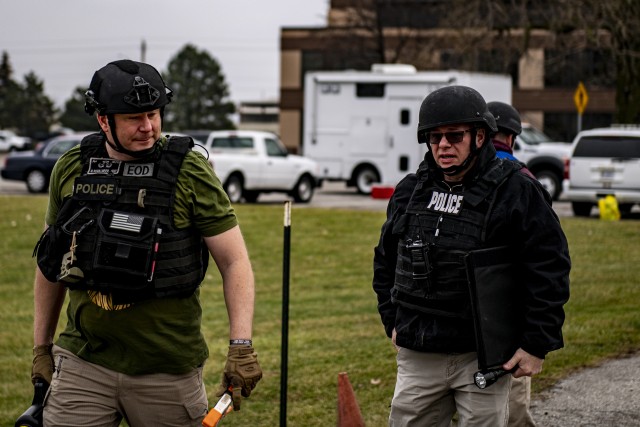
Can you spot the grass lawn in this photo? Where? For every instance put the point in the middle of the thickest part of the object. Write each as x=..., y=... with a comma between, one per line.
x=334, y=326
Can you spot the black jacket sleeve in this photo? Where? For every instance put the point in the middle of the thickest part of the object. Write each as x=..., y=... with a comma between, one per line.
x=544, y=263
x=385, y=253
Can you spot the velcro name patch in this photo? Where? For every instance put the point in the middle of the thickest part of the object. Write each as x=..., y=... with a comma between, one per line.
x=100, y=166
x=138, y=169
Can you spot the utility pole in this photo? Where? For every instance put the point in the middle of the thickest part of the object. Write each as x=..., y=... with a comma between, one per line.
x=143, y=51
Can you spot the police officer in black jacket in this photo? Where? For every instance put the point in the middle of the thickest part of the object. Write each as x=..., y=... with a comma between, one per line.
x=461, y=200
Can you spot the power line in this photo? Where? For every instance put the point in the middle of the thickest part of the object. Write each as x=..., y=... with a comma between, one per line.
x=39, y=48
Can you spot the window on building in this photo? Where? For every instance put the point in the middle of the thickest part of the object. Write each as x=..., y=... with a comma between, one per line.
x=595, y=67
x=564, y=126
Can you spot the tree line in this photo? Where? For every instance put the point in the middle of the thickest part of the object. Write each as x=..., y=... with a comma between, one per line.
x=597, y=41
x=201, y=101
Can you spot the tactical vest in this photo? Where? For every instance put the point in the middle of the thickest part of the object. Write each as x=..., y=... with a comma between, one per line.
x=116, y=233
x=440, y=226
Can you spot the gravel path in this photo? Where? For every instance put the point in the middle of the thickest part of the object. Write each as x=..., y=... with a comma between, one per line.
x=607, y=395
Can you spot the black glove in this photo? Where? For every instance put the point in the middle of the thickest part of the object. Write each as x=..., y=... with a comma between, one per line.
x=42, y=363
x=242, y=372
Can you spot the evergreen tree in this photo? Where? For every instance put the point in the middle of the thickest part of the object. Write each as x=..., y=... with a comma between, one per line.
x=24, y=108
x=201, y=95
x=9, y=92
x=74, y=116
x=36, y=112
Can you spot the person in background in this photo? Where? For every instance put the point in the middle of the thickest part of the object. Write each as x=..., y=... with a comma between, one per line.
x=509, y=127
x=463, y=199
x=131, y=221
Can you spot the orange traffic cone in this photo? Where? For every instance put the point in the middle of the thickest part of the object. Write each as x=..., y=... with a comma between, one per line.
x=348, y=410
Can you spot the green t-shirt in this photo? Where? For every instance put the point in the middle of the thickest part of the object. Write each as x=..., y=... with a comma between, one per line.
x=159, y=335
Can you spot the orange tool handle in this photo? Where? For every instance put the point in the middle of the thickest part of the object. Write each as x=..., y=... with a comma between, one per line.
x=222, y=408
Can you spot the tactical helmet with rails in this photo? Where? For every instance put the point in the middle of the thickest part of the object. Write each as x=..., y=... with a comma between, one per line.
x=126, y=87
x=507, y=117
x=452, y=105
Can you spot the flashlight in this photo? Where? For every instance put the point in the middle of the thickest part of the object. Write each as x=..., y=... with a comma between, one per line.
x=484, y=379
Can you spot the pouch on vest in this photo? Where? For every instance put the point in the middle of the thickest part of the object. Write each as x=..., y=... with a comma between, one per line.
x=44, y=251
x=55, y=241
x=496, y=303
x=125, y=249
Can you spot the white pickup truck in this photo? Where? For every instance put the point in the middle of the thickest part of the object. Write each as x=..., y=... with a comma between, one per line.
x=253, y=162
x=545, y=158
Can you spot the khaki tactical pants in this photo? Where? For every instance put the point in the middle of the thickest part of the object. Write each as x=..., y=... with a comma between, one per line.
x=431, y=387
x=89, y=395
x=519, y=402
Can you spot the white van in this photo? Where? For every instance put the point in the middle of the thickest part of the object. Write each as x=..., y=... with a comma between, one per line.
x=360, y=126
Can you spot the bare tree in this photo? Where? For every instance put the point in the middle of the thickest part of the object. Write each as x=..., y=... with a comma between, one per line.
x=615, y=25
x=594, y=41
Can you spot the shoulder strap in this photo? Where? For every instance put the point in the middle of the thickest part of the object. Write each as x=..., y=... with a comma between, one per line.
x=92, y=146
x=172, y=156
x=498, y=172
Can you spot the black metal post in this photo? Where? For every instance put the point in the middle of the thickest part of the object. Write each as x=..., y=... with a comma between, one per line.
x=284, y=359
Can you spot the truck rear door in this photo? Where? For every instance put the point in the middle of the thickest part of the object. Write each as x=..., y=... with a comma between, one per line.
x=606, y=162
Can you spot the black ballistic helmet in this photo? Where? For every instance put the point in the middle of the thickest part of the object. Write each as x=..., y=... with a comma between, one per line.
x=124, y=87
x=452, y=105
x=507, y=117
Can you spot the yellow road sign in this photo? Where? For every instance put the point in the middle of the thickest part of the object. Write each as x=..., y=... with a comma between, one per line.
x=581, y=98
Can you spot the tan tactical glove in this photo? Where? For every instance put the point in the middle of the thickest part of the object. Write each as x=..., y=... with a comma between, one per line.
x=42, y=363
x=241, y=371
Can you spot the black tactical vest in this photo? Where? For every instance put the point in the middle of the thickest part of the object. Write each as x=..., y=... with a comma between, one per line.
x=440, y=226
x=116, y=233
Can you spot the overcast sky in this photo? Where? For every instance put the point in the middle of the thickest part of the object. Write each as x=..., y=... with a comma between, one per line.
x=65, y=41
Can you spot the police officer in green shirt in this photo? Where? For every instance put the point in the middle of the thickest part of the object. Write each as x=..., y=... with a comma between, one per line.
x=131, y=221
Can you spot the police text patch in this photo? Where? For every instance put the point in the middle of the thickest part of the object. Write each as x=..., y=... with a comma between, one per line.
x=445, y=202
x=95, y=188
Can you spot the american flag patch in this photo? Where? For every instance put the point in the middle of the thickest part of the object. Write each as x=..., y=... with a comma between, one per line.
x=126, y=222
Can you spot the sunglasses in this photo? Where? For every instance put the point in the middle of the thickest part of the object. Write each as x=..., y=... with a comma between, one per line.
x=455, y=137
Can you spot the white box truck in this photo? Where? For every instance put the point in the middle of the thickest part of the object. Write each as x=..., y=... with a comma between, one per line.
x=360, y=126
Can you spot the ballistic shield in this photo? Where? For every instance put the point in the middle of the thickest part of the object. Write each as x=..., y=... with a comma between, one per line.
x=496, y=303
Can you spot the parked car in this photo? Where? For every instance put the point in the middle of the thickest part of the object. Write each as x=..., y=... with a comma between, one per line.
x=9, y=141
x=34, y=167
x=250, y=163
x=196, y=134
x=198, y=144
x=604, y=161
x=544, y=157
